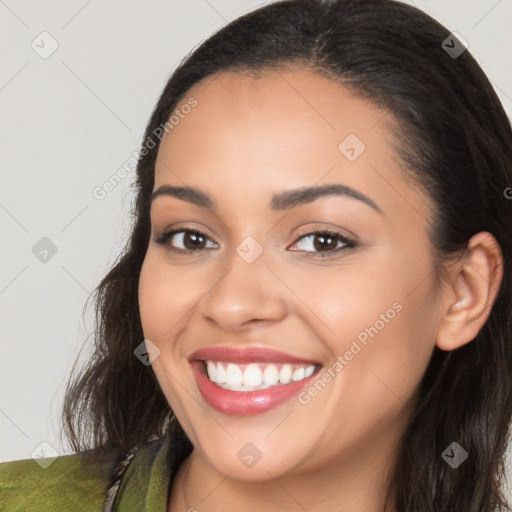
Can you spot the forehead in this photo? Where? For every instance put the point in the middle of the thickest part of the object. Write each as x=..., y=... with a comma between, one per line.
x=278, y=109
x=280, y=128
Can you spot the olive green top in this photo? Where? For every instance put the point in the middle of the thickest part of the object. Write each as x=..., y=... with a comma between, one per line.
x=70, y=484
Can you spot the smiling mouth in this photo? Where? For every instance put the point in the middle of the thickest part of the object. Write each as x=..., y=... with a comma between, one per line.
x=255, y=376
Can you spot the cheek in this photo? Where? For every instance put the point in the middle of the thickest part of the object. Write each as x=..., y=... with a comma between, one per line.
x=380, y=320
x=161, y=309
x=164, y=301
x=154, y=299
x=166, y=294
x=382, y=340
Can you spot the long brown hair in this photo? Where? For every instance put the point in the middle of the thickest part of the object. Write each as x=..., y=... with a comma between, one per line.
x=455, y=139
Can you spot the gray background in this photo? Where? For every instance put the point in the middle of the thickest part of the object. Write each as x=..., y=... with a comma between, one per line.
x=69, y=121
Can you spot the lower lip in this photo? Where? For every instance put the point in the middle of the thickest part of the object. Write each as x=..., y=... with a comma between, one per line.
x=245, y=403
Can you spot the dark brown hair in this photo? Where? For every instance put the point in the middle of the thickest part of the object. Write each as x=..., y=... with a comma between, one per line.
x=454, y=138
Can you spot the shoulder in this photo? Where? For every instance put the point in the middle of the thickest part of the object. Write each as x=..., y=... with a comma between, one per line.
x=62, y=484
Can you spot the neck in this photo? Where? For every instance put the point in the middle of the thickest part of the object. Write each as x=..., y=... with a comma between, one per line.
x=356, y=480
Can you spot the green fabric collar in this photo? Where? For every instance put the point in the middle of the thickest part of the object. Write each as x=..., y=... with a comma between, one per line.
x=146, y=484
x=69, y=482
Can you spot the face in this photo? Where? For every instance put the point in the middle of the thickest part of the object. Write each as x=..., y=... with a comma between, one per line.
x=260, y=284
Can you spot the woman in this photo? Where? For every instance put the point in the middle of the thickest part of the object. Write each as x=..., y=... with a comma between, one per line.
x=320, y=272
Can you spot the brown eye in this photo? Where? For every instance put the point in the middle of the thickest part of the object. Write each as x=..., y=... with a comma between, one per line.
x=323, y=243
x=185, y=240
x=193, y=240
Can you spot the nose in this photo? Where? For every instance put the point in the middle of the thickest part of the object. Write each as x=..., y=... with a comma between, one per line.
x=245, y=295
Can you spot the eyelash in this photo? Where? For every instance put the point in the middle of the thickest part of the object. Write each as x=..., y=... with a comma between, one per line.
x=349, y=244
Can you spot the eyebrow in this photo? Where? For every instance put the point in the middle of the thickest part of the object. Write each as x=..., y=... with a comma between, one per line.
x=282, y=201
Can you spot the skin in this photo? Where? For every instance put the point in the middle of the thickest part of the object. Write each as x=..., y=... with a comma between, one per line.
x=246, y=140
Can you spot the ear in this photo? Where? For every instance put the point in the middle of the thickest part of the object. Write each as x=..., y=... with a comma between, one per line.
x=470, y=292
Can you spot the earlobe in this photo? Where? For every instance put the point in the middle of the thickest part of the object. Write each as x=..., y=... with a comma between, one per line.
x=474, y=284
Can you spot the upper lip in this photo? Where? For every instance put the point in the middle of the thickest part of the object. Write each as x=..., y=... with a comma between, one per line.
x=240, y=355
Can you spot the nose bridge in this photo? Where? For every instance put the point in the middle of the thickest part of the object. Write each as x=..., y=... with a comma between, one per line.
x=245, y=291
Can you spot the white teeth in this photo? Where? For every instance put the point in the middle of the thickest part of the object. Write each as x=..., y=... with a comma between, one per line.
x=233, y=375
x=221, y=374
x=255, y=375
x=271, y=375
x=212, y=371
x=298, y=374
x=285, y=375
